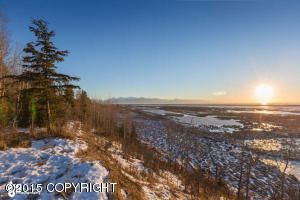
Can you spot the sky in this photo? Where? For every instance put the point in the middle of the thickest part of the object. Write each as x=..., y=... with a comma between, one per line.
x=217, y=51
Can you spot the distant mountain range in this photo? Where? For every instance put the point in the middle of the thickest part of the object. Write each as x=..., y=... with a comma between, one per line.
x=142, y=100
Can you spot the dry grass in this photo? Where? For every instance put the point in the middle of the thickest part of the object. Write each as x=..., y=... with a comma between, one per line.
x=58, y=131
x=96, y=151
x=3, y=144
x=14, y=140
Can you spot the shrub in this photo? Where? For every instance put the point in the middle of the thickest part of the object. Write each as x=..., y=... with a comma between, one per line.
x=3, y=145
x=56, y=130
x=14, y=140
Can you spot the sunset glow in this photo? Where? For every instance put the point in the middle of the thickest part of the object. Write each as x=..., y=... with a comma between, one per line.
x=264, y=94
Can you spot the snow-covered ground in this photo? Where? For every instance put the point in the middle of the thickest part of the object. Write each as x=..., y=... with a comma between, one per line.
x=155, y=185
x=210, y=122
x=161, y=112
x=275, y=144
x=278, y=144
x=207, y=153
x=50, y=161
x=264, y=127
x=292, y=168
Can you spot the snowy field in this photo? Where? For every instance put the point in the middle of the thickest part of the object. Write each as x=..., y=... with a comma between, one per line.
x=50, y=161
x=277, y=145
x=211, y=123
x=293, y=166
x=207, y=154
x=268, y=125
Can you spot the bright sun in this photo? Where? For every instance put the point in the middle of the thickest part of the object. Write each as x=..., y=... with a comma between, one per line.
x=264, y=94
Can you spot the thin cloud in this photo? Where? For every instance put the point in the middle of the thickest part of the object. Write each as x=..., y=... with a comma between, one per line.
x=219, y=93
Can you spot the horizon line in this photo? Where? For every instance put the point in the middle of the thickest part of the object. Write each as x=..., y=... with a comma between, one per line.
x=194, y=102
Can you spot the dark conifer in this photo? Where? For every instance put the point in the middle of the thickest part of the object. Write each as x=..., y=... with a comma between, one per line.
x=44, y=83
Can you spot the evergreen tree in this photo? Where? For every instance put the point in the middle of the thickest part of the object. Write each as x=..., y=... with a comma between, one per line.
x=82, y=105
x=44, y=84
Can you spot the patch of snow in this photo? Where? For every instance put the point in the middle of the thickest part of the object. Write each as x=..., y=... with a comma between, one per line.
x=211, y=122
x=23, y=130
x=134, y=179
x=170, y=178
x=293, y=166
x=265, y=127
x=123, y=162
x=275, y=144
x=50, y=161
x=138, y=165
x=161, y=112
x=264, y=144
x=74, y=126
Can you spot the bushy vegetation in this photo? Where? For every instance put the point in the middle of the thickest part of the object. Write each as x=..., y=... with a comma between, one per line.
x=14, y=140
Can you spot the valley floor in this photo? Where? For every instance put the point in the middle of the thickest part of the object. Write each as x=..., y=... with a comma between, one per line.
x=173, y=157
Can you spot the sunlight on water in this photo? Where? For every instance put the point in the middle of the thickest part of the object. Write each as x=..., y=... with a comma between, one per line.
x=267, y=112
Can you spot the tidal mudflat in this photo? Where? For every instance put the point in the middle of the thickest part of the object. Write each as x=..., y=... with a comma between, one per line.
x=210, y=137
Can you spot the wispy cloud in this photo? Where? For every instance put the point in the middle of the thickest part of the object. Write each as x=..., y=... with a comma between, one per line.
x=219, y=93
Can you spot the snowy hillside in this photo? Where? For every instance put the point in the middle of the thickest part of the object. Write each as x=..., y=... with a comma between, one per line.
x=50, y=161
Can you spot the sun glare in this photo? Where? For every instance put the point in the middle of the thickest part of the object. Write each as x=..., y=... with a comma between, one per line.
x=264, y=94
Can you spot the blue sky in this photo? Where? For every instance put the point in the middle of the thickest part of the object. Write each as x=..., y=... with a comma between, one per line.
x=212, y=50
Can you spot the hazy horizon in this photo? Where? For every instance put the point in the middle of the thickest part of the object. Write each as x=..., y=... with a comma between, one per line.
x=147, y=100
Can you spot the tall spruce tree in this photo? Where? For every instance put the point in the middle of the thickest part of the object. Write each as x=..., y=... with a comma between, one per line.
x=44, y=84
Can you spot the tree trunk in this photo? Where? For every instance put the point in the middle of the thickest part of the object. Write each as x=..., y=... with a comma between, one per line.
x=248, y=178
x=48, y=116
x=240, y=179
x=15, y=121
x=18, y=105
x=283, y=179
